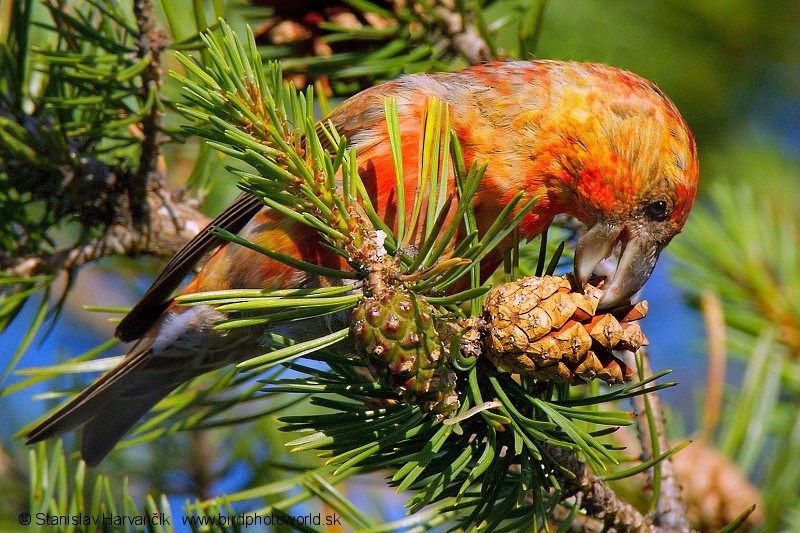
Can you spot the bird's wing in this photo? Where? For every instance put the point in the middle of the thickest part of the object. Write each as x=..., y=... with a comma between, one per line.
x=354, y=126
x=112, y=405
x=158, y=296
x=78, y=410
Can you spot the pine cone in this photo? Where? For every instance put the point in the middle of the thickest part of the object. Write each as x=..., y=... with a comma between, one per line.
x=396, y=332
x=714, y=489
x=543, y=328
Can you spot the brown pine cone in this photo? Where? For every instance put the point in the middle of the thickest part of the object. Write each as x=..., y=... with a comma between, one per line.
x=714, y=489
x=543, y=328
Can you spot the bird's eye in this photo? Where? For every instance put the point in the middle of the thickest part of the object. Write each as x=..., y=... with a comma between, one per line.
x=657, y=211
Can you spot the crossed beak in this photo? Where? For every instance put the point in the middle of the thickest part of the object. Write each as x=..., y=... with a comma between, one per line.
x=636, y=262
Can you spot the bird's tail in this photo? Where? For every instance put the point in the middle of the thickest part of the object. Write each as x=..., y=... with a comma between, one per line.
x=110, y=406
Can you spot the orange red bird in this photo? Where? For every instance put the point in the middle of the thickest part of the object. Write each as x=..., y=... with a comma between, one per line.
x=601, y=144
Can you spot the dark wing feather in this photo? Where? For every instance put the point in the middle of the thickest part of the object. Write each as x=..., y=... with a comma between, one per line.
x=84, y=406
x=112, y=405
x=112, y=420
x=158, y=296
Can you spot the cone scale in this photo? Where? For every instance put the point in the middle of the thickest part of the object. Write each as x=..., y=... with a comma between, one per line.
x=541, y=327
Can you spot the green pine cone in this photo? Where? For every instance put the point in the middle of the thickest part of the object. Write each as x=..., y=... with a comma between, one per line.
x=396, y=333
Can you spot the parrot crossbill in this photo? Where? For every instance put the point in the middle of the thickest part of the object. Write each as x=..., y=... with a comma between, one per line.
x=601, y=144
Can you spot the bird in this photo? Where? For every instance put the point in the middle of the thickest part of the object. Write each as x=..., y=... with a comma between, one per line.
x=598, y=143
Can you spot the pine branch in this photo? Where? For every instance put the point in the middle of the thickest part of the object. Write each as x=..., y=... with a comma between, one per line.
x=596, y=498
x=714, y=319
x=80, y=149
x=172, y=223
x=60, y=491
x=348, y=45
x=753, y=268
x=670, y=511
x=150, y=44
x=738, y=259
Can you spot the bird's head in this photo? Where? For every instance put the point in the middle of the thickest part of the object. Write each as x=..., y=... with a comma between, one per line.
x=627, y=168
